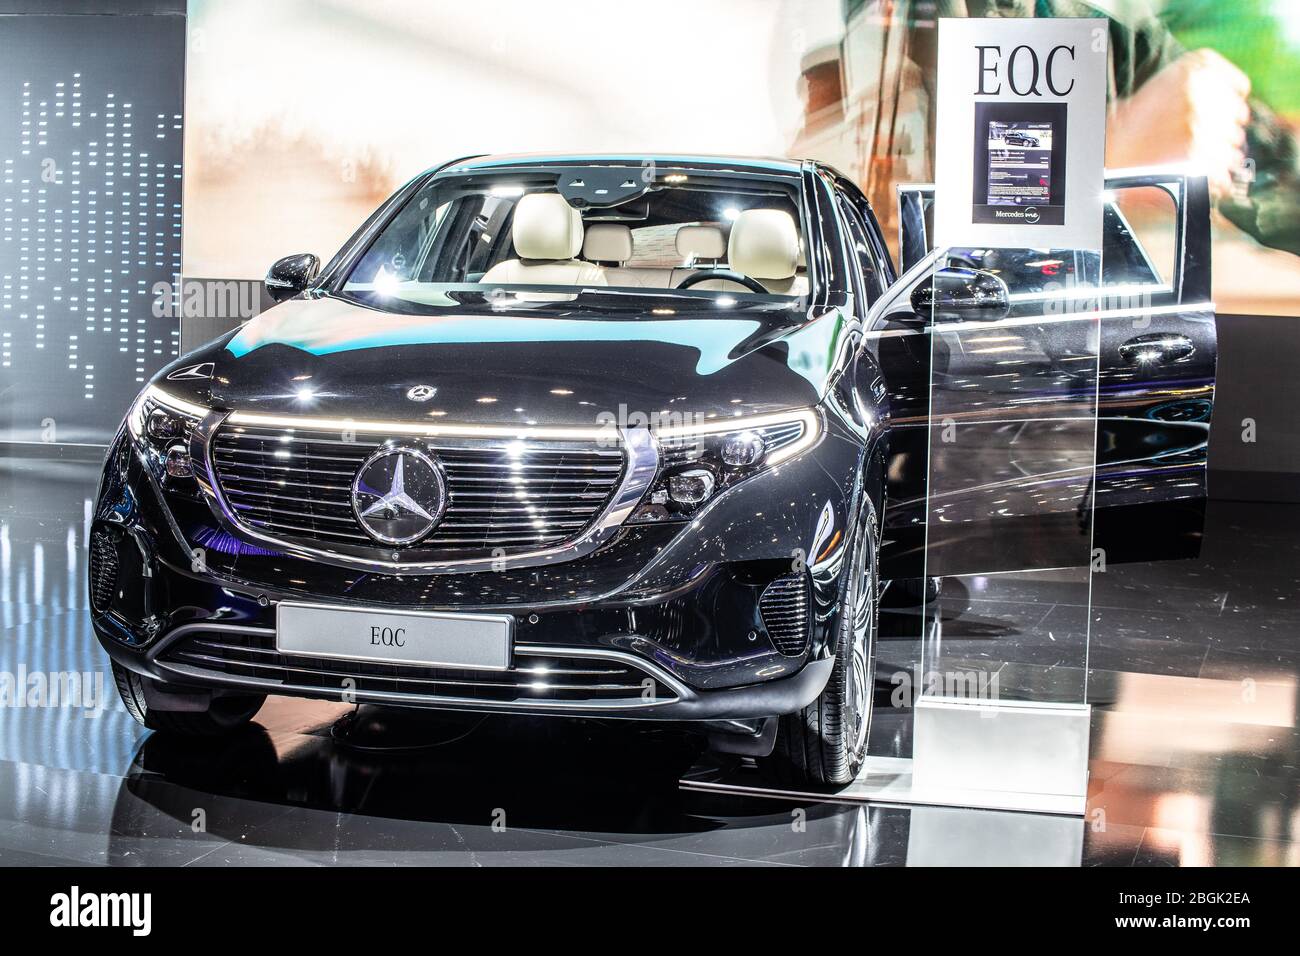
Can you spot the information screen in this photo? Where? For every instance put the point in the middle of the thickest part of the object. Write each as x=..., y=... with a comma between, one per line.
x=1019, y=163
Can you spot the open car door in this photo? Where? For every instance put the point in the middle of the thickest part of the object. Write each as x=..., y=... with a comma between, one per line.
x=1082, y=409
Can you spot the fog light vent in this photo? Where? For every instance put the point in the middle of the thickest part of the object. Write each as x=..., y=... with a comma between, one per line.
x=103, y=571
x=784, y=606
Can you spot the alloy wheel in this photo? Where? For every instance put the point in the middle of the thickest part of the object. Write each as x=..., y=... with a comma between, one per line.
x=859, y=675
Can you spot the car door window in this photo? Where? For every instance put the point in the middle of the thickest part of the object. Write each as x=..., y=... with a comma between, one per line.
x=1140, y=235
x=863, y=251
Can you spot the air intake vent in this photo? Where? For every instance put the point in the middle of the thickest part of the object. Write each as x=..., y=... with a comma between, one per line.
x=589, y=681
x=103, y=571
x=784, y=606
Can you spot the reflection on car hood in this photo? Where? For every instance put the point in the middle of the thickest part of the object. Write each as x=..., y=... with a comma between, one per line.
x=332, y=357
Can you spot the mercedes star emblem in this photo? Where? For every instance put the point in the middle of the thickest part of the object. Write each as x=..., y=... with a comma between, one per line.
x=399, y=494
x=421, y=393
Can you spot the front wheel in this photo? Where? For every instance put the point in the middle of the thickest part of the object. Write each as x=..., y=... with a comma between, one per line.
x=825, y=743
x=913, y=592
x=221, y=716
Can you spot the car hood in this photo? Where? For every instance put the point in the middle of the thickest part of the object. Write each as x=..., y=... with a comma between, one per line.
x=554, y=366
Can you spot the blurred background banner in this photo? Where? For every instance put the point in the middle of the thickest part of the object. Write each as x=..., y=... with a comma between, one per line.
x=303, y=116
x=1193, y=83
x=308, y=113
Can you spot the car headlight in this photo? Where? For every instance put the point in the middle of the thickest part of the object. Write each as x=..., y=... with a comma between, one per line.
x=161, y=425
x=698, y=461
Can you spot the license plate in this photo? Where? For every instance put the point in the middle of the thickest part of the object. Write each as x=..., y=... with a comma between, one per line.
x=432, y=639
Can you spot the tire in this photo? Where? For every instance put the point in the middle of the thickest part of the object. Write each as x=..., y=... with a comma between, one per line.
x=824, y=744
x=915, y=592
x=223, y=715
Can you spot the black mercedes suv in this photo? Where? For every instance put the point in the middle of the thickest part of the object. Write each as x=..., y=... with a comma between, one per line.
x=612, y=436
x=1016, y=138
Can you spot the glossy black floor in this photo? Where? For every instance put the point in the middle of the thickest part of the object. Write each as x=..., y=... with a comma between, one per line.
x=1192, y=669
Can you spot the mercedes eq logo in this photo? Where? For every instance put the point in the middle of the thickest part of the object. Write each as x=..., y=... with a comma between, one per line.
x=399, y=495
x=421, y=393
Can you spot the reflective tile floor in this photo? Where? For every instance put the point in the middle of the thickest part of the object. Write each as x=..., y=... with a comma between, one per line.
x=1193, y=670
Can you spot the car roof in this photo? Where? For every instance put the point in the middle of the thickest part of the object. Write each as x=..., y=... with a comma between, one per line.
x=753, y=163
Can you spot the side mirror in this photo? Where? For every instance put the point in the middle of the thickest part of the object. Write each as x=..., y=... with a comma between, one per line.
x=956, y=293
x=290, y=275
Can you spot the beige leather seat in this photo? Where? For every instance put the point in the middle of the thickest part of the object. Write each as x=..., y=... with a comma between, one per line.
x=609, y=244
x=696, y=244
x=764, y=245
x=547, y=235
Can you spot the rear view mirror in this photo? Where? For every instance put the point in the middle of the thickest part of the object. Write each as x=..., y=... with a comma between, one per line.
x=955, y=293
x=290, y=275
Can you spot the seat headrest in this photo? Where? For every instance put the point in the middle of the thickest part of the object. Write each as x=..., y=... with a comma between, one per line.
x=546, y=227
x=607, y=242
x=764, y=244
x=701, y=242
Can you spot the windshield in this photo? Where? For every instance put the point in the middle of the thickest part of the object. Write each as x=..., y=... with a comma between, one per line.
x=550, y=233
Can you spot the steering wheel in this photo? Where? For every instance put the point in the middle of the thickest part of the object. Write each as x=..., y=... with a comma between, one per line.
x=695, y=278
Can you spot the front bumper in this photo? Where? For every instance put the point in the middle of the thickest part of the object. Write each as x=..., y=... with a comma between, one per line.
x=654, y=694
x=672, y=610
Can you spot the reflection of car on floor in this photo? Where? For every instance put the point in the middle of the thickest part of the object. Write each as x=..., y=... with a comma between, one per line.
x=600, y=437
x=1014, y=137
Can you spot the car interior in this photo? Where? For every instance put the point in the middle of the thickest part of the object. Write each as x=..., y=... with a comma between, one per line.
x=704, y=240
x=551, y=244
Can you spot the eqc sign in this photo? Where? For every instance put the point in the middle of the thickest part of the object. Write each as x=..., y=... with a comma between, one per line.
x=990, y=57
x=1021, y=139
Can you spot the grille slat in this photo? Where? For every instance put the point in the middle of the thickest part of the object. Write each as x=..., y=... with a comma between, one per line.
x=534, y=496
x=449, y=463
x=228, y=464
x=296, y=514
x=263, y=456
x=534, y=678
x=445, y=446
x=512, y=482
x=296, y=485
x=507, y=524
x=276, y=496
x=530, y=540
x=269, y=525
x=511, y=509
x=601, y=469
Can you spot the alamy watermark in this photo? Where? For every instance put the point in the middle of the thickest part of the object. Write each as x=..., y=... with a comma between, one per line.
x=207, y=298
x=74, y=908
x=613, y=423
x=72, y=690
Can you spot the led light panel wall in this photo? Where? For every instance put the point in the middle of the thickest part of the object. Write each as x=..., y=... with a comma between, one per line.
x=90, y=217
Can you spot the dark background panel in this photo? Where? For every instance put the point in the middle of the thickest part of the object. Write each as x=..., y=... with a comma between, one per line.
x=90, y=212
x=1258, y=385
x=96, y=7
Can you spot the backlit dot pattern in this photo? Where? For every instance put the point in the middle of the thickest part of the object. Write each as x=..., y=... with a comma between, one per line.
x=90, y=223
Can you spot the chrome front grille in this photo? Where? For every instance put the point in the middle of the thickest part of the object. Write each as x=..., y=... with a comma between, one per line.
x=535, y=677
x=505, y=496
